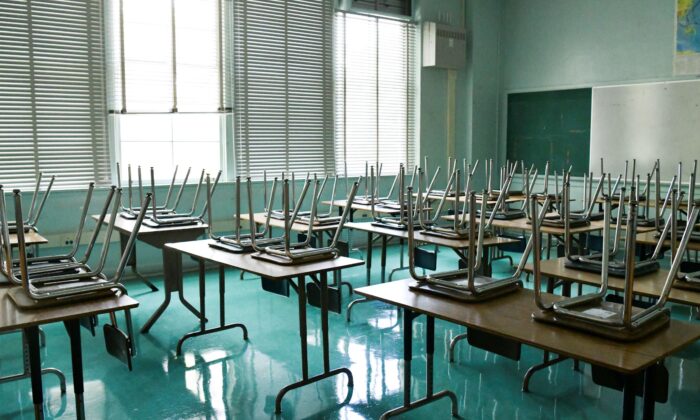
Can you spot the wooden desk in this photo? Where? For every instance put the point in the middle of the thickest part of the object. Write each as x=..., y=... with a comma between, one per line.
x=649, y=285
x=359, y=207
x=513, y=198
x=203, y=252
x=13, y=318
x=260, y=218
x=457, y=245
x=510, y=317
x=650, y=238
x=524, y=226
x=30, y=238
x=158, y=237
x=426, y=238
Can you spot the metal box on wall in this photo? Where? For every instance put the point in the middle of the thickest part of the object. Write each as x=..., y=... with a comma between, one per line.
x=444, y=46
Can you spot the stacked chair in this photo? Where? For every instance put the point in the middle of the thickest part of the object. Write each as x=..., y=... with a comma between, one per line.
x=285, y=251
x=130, y=211
x=397, y=205
x=32, y=218
x=55, y=280
x=592, y=312
x=164, y=215
x=594, y=262
x=241, y=242
x=465, y=284
x=431, y=226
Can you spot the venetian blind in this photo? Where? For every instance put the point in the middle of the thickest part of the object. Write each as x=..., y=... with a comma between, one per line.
x=52, y=97
x=167, y=55
x=283, y=86
x=374, y=92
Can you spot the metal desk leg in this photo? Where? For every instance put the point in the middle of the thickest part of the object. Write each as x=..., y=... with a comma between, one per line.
x=368, y=264
x=409, y=405
x=628, y=398
x=383, y=263
x=172, y=270
x=32, y=334
x=202, y=309
x=123, y=240
x=76, y=352
x=486, y=269
x=648, y=400
x=327, y=372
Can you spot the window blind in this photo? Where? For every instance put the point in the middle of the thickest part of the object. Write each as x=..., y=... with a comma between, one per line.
x=167, y=56
x=374, y=92
x=399, y=7
x=283, y=86
x=169, y=82
x=52, y=98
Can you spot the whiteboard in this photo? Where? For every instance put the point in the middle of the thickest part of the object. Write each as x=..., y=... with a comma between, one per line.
x=646, y=122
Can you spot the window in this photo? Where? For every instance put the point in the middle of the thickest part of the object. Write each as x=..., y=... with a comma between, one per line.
x=52, y=114
x=168, y=82
x=283, y=86
x=398, y=7
x=374, y=92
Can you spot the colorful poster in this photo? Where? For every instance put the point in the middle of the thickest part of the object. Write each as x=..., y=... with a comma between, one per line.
x=687, y=51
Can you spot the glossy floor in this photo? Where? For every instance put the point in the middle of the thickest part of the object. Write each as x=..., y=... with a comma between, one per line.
x=221, y=376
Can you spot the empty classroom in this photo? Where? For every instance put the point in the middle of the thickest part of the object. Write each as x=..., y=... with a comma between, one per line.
x=349, y=209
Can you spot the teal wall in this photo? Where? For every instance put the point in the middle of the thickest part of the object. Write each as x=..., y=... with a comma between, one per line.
x=477, y=85
x=484, y=19
x=564, y=43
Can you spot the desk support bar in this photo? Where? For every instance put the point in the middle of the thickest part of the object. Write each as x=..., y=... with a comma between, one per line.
x=172, y=265
x=123, y=240
x=327, y=372
x=202, y=309
x=536, y=368
x=26, y=372
x=430, y=396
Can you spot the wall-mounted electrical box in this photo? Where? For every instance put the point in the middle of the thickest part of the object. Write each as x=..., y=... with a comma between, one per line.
x=444, y=46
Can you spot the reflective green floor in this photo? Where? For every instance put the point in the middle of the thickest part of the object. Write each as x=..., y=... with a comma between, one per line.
x=221, y=376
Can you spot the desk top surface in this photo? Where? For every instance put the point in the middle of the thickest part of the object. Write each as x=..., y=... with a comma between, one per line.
x=523, y=225
x=127, y=226
x=513, y=198
x=647, y=285
x=246, y=262
x=429, y=239
x=260, y=218
x=13, y=318
x=360, y=207
x=510, y=316
x=649, y=238
x=30, y=238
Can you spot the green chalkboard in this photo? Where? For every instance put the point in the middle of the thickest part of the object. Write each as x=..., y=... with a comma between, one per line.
x=552, y=126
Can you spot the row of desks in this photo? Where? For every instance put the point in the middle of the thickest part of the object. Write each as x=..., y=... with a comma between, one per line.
x=497, y=317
